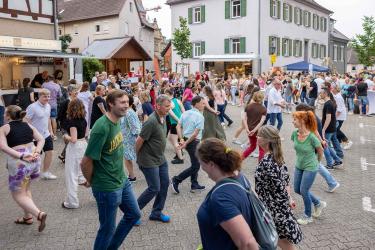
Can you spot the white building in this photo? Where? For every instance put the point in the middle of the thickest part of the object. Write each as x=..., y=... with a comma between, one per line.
x=240, y=35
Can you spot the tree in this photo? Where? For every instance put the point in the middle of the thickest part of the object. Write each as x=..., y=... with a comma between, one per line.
x=181, y=40
x=65, y=41
x=364, y=44
x=90, y=66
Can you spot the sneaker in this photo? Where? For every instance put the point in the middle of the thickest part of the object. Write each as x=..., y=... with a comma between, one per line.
x=338, y=164
x=332, y=189
x=348, y=145
x=304, y=220
x=174, y=185
x=329, y=167
x=162, y=218
x=245, y=146
x=255, y=155
x=133, y=180
x=177, y=161
x=236, y=141
x=230, y=123
x=47, y=176
x=138, y=223
x=196, y=187
x=318, y=209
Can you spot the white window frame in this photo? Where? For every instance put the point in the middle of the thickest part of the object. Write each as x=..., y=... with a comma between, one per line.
x=286, y=42
x=106, y=26
x=235, y=45
x=238, y=8
x=322, y=24
x=315, y=22
x=96, y=28
x=197, y=49
x=274, y=9
x=342, y=53
x=287, y=12
x=299, y=13
x=298, y=48
x=274, y=44
x=197, y=14
x=323, y=47
x=306, y=15
x=335, y=50
x=75, y=29
x=131, y=7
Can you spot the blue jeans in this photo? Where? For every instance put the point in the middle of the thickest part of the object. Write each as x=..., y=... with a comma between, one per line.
x=303, y=97
x=157, y=179
x=2, y=110
x=222, y=115
x=233, y=90
x=268, y=115
x=110, y=237
x=311, y=101
x=187, y=105
x=278, y=116
x=363, y=100
x=330, y=155
x=333, y=141
x=331, y=182
x=303, y=180
x=351, y=103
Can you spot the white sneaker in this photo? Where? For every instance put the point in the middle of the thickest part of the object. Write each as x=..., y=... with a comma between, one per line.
x=255, y=155
x=244, y=146
x=236, y=141
x=348, y=145
x=318, y=209
x=331, y=190
x=304, y=220
x=47, y=176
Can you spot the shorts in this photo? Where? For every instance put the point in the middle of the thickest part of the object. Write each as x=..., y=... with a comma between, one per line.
x=363, y=100
x=48, y=144
x=173, y=129
x=53, y=113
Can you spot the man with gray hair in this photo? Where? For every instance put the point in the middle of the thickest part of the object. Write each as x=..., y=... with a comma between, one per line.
x=150, y=147
x=275, y=104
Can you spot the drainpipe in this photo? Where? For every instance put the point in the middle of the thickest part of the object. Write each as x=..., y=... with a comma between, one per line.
x=55, y=21
x=259, y=58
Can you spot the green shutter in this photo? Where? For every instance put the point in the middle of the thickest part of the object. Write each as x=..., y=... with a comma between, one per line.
x=227, y=9
x=309, y=22
x=269, y=45
x=295, y=15
x=190, y=15
x=226, y=46
x=300, y=48
x=243, y=7
x=300, y=17
x=290, y=13
x=295, y=48
x=325, y=24
x=278, y=9
x=203, y=48
x=290, y=47
x=243, y=45
x=203, y=14
x=271, y=8
x=285, y=6
x=283, y=47
x=278, y=46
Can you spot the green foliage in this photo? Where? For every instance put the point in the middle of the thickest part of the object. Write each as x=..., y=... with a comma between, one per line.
x=364, y=44
x=90, y=66
x=181, y=40
x=65, y=41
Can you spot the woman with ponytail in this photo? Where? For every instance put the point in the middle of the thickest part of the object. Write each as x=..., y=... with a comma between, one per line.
x=225, y=215
x=306, y=145
x=23, y=162
x=272, y=187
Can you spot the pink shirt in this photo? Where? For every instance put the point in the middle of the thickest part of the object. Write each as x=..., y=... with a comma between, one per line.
x=188, y=94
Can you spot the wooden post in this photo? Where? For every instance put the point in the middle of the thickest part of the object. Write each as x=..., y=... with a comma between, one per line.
x=143, y=69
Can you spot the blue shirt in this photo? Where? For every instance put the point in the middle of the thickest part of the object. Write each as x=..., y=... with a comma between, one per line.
x=190, y=121
x=224, y=204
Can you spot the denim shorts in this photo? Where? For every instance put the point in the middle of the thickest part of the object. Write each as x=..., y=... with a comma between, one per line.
x=53, y=113
x=363, y=100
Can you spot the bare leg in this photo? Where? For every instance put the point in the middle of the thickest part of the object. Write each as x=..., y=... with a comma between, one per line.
x=130, y=168
x=47, y=160
x=25, y=202
x=284, y=244
x=173, y=139
x=239, y=131
x=54, y=125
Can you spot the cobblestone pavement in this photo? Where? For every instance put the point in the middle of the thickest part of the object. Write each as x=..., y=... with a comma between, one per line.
x=343, y=225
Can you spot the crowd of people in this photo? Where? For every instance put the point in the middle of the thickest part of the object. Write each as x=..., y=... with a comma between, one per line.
x=110, y=123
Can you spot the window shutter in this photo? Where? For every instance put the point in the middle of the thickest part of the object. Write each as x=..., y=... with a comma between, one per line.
x=300, y=16
x=226, y=46
x=290, y=47
x=278, y=46
x=309, y=22
x=283, y=47
x=300, y=48
x=203, y=47
x=278, y=9
x=317, y=22
x=290, y=13
x=317, y=51
x=325, y=25
x=271, y=8
x=295, y=48
x=295, y=15
x=203, y=14
x=269, y=45
x=284, y=11
x=243, y=7
x=190, y=15
x=243, y=45
x=227, y=9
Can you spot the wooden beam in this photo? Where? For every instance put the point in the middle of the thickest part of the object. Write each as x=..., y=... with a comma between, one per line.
x=5, y=4
x=41, y=6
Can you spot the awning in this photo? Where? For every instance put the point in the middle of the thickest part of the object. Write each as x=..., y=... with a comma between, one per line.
x=228, y=58
x=10, y=52
x=305, y=66
x=117, y=48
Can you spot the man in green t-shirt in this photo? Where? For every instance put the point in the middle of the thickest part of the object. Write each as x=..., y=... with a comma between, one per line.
x=103, y=169
x=150, y=148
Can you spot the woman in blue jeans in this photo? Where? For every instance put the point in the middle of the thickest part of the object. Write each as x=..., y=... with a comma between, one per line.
x=307, y=145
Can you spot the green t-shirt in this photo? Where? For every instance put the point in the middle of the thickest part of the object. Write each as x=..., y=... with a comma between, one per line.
x=105, y=148
x=305, y=151
x=151, y=154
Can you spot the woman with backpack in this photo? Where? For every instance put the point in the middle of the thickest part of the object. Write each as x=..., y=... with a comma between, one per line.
x=225, y=215
x=272, y=186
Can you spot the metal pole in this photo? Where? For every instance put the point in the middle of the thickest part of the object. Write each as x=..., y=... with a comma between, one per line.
x=55, y=21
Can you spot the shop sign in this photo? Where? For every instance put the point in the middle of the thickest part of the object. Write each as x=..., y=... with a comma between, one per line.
x=29, y=43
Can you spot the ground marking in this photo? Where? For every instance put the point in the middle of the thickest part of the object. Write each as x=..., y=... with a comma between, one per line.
x=364, y=164
x=366, y=204
x=361, y=125
x=363, y=140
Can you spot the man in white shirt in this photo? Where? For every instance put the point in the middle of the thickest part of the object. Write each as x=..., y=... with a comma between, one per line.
x=38, y=115
x=275, y=104
x=369, y=82
x=320, y=82
x=341, y=116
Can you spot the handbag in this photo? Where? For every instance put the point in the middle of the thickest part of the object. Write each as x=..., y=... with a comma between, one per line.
x=262, y=224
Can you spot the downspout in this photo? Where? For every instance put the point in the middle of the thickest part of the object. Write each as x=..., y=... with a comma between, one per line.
x=259, y=58
x=55, y=21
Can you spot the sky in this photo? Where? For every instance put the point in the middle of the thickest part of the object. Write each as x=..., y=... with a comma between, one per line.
x=348, y=14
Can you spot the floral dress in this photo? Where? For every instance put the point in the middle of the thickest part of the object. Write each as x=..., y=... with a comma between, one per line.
x=130, y=128
x=271, y=182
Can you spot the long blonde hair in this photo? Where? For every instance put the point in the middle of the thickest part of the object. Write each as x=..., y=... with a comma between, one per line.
x=271, y=135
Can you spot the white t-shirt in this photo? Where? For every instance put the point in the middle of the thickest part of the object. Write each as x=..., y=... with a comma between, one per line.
x=320, y=83
x=340, y=107
x=274, y=97
x=39, y=115
x=369, y=83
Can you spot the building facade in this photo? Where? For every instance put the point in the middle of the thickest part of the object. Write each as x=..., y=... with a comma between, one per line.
x=240, y=36
x=338, y=46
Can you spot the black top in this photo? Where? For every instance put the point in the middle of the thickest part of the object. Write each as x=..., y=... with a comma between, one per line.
x=362, y=89
x=80, y=124
x=211, y=103
x=20, y=133
x=24, y=99
x=329, y=108
x=96, y=113
x=62, y=111
x=37, y=78
x=314, y=92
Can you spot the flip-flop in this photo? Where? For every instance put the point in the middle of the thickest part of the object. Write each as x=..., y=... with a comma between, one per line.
x=42, y=216
x=24, y=221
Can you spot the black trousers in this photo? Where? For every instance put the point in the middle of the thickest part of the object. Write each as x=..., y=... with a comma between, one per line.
x=340, y=135
x=194, y=168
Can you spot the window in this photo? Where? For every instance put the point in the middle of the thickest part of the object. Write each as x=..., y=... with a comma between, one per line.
x=197, y=49
x=74, y=50
x=274, y=45
x=97, y=28
x=236, y=8
x=297, y=16
x=354, y=68
x=60, y=32
x=236, y=48
x=314, y=50
x=131, y=7
x=275, y=8
x=106, y=26
x=323, y=24
x=75, y=27
x=287, y=12
x=306, y=18
x=323, y=51
x=335, y=53
x=315, y=22
x=297, y=49
x=197, y=15
x=287, y=47
x=340, y=53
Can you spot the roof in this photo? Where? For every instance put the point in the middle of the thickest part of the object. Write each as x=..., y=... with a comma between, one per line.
x=142, y=14
x=75, y=10
x=104, y=49
x=337, y=34
x=166, y=48
x=51, y=54
x=352, y=56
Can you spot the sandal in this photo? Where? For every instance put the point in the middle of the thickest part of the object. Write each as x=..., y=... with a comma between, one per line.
x=42, y=216
x=24, y=221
